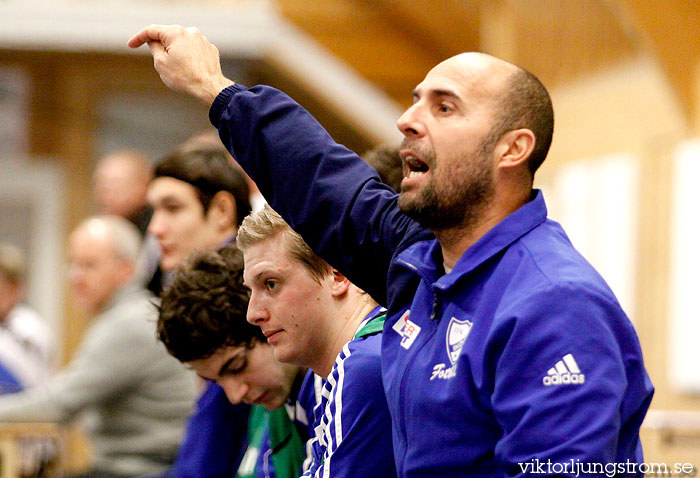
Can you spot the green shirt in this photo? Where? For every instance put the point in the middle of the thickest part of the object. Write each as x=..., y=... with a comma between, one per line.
x=285, y=448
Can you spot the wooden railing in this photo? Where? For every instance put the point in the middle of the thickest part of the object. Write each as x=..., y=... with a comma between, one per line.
x=674, y=424
x=13, y=438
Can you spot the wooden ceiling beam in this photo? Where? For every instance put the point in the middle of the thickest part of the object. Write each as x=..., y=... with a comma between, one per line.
x=442, y=29
x=380, y=47
x=559, y=41
x=672, y=28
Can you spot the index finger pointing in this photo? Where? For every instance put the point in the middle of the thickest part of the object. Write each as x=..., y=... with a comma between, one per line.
x=150, y=33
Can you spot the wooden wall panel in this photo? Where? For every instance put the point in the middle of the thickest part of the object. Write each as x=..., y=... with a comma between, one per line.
x=394, y=42
x=672, y=30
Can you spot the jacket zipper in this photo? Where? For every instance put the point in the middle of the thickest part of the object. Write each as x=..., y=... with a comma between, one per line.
x=405, y=372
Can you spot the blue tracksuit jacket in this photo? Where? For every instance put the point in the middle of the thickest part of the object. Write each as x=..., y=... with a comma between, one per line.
x=215, y=438
x=520, y=354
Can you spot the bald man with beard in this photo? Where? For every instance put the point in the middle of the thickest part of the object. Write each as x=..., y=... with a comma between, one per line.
x=503, y=348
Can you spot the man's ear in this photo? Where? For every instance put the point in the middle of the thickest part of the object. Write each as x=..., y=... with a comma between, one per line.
x=515, y=147
x=339, y=283
x=223, y=207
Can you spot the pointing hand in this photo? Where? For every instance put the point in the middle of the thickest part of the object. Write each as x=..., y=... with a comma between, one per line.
x=184, y=59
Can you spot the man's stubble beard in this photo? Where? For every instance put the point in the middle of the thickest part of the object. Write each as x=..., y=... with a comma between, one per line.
x=459, y=204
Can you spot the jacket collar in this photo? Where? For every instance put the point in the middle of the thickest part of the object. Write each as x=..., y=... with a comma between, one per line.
x=425, y=257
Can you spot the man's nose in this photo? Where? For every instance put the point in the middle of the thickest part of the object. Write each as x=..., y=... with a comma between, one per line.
x=257, y=314
x=409, y=124
x=235, y=390
x=155, y=225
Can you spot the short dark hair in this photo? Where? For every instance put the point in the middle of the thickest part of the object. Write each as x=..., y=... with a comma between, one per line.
x=209, y=169
x=204, y=307
x=386, y=160
x=527, y=104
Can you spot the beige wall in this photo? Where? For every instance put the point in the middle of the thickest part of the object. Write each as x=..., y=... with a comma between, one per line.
x=633, y=109
x=696, y=86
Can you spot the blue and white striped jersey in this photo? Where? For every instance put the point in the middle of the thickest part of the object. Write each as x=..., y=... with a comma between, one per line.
x=352, y=421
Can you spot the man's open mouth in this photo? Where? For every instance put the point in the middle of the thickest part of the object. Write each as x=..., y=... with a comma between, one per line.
x=414, y=166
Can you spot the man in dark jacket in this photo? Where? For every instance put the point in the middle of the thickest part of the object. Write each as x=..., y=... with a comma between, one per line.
x=503, y=348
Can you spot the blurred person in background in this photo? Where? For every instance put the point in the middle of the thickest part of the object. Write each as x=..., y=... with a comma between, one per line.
x=120, y=182
x=27, y=348
x=136, y=397
x=199, y=199
x=26, y=340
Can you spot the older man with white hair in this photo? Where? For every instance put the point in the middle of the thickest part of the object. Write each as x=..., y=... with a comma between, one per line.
x=139, y=395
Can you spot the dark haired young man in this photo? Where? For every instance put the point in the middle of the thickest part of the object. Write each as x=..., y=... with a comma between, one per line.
x=202, y=323
x=199, y=199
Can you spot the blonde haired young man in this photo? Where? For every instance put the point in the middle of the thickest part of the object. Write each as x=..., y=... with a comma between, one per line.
x=315, y=317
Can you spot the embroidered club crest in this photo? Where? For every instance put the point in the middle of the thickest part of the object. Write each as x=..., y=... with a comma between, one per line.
x=457, y=332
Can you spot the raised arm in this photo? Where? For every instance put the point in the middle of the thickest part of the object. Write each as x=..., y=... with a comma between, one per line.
x=323, y=190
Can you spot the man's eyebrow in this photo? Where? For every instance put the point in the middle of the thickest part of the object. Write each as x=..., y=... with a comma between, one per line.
x=445, y=93
x=162, y=200
x=169, y=197
x=439, y=93
x=226, y=364
x=256, y=277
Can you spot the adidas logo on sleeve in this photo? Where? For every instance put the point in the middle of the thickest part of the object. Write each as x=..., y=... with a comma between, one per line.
x=565, y=372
